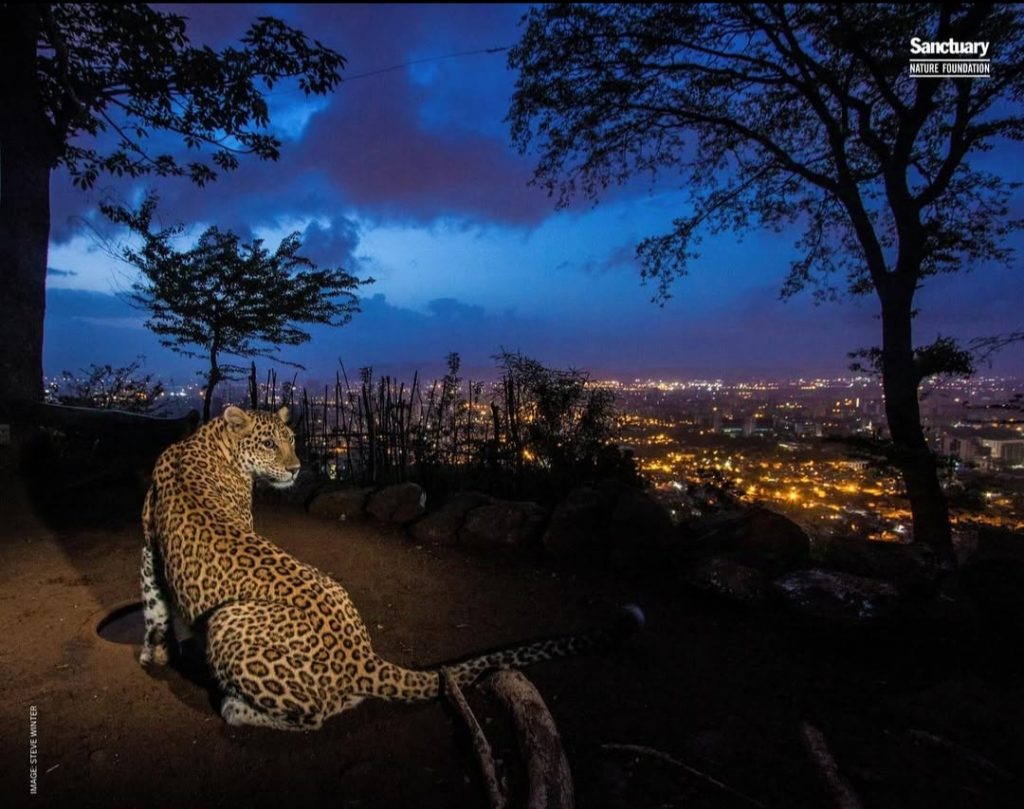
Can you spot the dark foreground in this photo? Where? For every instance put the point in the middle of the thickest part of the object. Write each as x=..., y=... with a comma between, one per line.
x=926, y=714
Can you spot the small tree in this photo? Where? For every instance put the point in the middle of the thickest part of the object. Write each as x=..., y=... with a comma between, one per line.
x=775, y=114
x=225, y=297
x=554, y=419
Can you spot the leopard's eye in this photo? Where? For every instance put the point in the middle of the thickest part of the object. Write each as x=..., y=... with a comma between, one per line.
x=269, y=443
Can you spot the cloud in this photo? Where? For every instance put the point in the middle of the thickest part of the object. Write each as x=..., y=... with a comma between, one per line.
x=84, y=327
x=371, y=147
x=619, y=259
x=452, y=310
x=969, y=305
x=395, y=339
x=426, y=140
x=70, y=304
x=333, y=243
x=115, y=322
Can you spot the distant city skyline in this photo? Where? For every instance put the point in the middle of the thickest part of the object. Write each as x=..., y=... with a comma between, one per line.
x=406, y=174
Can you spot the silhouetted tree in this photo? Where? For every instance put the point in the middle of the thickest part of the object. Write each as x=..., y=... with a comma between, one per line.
x=554, y=418
x=223, y=296
x=791, y=114
x=83, y=85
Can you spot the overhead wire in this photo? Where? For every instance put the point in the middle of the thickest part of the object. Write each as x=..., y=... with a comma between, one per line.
x=379, y=71
x=285, y=91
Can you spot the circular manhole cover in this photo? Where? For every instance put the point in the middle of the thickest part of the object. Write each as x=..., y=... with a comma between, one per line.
x=125, y=623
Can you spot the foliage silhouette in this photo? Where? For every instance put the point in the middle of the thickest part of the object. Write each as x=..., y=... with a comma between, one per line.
x=107, y=388
x=228, y=297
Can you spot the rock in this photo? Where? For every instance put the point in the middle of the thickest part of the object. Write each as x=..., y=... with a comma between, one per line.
x=579, y=525
x=340, y=504
x=998, y=543
x=443, y=525
x=729, y=579
x=640, y=527
x=503, y=524
x=996, y=586
x=993, y=577
x=911, y=567
x=594, y=521
x=834, y=596
x=401, y=503
x=759, y=538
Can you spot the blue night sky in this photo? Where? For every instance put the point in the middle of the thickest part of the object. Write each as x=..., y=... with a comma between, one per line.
x=409, y=176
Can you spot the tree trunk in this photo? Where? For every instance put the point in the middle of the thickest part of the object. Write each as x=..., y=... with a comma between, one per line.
x=911, y=454
x=213, y=376
x=26, y=157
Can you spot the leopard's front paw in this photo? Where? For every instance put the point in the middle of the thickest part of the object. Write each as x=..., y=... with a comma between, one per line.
x=154, y=656
x=234, y=711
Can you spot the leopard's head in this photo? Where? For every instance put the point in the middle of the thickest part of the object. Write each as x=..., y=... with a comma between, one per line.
x=264, y=445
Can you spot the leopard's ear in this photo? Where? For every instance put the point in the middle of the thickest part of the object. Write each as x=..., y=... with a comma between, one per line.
x=283, y=414
x=239, y=422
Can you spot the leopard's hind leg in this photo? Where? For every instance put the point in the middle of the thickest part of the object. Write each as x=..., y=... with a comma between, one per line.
x=156, y=605
x=272, y=667
x=236, y=711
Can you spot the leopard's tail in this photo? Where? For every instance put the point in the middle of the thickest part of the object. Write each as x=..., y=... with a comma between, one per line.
x=395, y=682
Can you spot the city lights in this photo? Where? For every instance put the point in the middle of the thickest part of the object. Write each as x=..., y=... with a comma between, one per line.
x=794, y=447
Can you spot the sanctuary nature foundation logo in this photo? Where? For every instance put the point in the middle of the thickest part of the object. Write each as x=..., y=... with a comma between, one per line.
x=949, y=59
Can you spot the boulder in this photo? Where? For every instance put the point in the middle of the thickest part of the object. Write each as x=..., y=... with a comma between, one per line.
x=911, y=567
x=443, y=525
x=640, y=526
x=340, y=504
x=611, y=518
x=579, y=525
x=758, y=538
x=994, y=577
x=837, y=597
x=503, y=524
x=724, y=577
x=998, y=543
x=400, y=503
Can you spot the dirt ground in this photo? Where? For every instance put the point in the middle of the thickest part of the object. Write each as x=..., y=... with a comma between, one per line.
x=927, y=714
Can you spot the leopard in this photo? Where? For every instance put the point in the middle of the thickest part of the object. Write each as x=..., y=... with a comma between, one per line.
x=284, y=642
